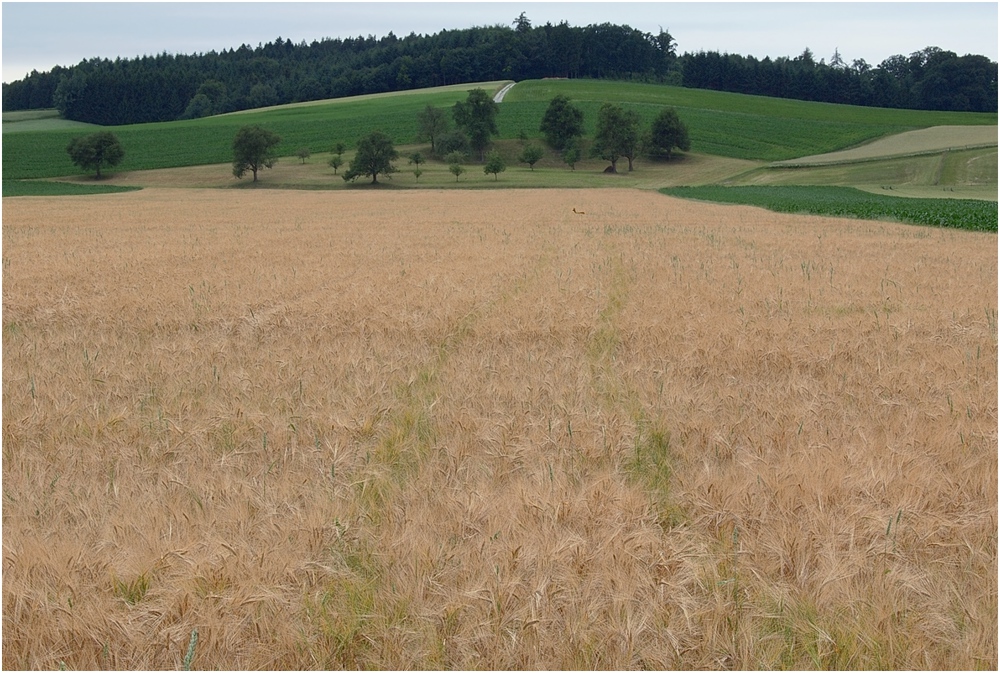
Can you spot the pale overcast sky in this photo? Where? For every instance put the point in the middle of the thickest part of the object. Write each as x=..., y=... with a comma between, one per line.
x=40, y=35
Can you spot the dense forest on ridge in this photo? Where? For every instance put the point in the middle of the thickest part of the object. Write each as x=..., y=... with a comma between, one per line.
x=167, y=87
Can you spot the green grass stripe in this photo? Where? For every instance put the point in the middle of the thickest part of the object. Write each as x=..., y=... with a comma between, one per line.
x=44, y=188
x=967, y=214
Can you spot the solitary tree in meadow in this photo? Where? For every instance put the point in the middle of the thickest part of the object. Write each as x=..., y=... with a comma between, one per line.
x=337, y=160
x=455, y=164
x=415, y=160
x=374, y=156
x=96, y=150
x=254, y=149
x=494, y=164
x=531, y=155
x=571, y=155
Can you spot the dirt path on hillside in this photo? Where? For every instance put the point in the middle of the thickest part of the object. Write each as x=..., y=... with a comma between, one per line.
x=503, y=92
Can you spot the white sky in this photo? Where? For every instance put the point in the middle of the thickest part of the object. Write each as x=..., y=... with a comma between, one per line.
x=40, y=35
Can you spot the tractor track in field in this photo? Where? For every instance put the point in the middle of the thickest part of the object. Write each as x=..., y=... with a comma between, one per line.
x=498, y=98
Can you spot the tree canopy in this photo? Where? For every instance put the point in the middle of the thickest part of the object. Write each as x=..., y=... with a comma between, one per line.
x=562, y=123
x=531, y=155
x=374, y=156
x=630, y=136
x=95, y=151
x=254, y=149
x=432, y=123
x=666, y=133
x=929, y=79
x=617, y=135
x=477, y=116
x=495, y=164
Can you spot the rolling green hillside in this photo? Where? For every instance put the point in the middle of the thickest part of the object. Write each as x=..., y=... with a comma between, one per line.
x=734, y=125
x=209, y=140
x=41, y=120
x=721, y=124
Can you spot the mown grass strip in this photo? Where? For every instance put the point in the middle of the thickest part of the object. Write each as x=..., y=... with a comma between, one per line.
x=649, y=463
x=966, y=214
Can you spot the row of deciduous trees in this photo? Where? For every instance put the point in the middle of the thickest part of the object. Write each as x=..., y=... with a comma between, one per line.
x=618, y=131
x=618, y=135
x=166, y=87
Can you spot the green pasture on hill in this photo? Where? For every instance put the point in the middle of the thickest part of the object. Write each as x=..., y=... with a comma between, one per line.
x=721, y=101
x=736, y=125
x=317, y=126
x=722, y=124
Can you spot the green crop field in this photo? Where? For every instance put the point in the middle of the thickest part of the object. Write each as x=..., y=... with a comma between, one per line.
x=721, y=124
x=737, y=125
x=969, y=174
x=782, y=108
x=209, y=140
x=717, y=132
x=847, y=202
x=46, y=188
x=932, y=140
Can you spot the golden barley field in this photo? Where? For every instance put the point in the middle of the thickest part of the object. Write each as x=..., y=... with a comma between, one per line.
x=479, y=430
